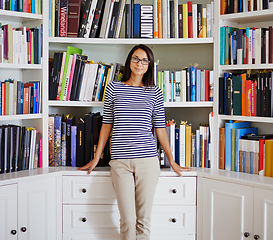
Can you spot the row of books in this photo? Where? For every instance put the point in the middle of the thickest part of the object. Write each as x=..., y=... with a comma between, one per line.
x=237, y=6
x=74, y=78
x=246, y=95
x=27, y=6
x=21, y=45
x=189, y=84
x=241, y=149
x=188, y=149
x=246, y=45
x=20, y=148
x=100, y=18
x=74, y=143
x=17, y=97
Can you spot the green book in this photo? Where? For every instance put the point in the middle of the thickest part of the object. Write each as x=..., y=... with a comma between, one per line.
x=237, y=104
x=69, y=51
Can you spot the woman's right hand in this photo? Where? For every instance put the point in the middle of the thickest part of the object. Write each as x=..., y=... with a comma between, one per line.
x=90, y=166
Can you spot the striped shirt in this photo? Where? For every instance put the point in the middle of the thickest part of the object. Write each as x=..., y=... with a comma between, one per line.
x=132, y=110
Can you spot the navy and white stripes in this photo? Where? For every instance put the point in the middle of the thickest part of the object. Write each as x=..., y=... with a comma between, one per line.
x=131, y=110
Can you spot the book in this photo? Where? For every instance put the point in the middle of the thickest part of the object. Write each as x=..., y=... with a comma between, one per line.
x=146, y=21
x=80, y=158
x=63, y=18
x=73, y=18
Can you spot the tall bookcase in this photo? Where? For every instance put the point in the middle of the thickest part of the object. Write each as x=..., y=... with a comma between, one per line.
x=22, y=72
x=257, y=19
x=173, y=54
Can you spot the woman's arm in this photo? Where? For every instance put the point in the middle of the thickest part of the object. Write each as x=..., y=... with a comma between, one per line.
x=163, y=139
x=104, y=135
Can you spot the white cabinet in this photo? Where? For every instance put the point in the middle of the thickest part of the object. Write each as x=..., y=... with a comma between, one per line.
x=236, y=211
x=8, y=212
x=90, y=209
x=36, y=202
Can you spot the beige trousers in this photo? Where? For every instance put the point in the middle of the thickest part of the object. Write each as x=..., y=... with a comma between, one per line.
x=134, y=181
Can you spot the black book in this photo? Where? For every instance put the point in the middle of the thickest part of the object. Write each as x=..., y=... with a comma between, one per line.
x=17, y=147
x=1, y=151
x=262, y=97
x=76, y=75
x=107, y=68
x=78, y=91
x=96, y=83
x=36, y=45
x=267, y=94
x=257, y=137
x=265, y=4
x=258, y=95
x=221, y=95
x=12, y=147
x=70, y=121
x=85, y=9
x=54, y=76
x=114, y=19
x=228, y=96
x=263, y=45
x=80, y=160
x=22, y=149
x=7, y=149
x=128, y=27
x=97, y=19
x=171, y=19
x=230, y=6
x=57, y=17
x=188, y=84
x=132, y=17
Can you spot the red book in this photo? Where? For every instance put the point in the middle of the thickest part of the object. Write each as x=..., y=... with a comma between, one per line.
x=206, y=85
x=253, y=98
x=190, y=31
x=261, y=154
x=26, y=100
x=63, y=18
x=73, y=18
x=248, y=98
x=29, y=6
x=24, y=5
x=270, y=44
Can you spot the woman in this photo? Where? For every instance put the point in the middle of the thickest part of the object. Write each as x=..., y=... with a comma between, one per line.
x=129, y=108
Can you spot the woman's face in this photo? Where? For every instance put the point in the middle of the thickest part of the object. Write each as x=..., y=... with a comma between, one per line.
x=136, y=64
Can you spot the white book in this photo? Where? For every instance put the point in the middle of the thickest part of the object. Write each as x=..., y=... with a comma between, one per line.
x=106, y=18
x=91, y=80
x=212, y=19
x=112, y=72
x=194, y=20
x=177, y=86
x=167, y=86
x=257, y=43
x=155, y=16
x=176, y=24
x=86, y=89
x=11, y=105
x=14, y=97
x=67, y=76
x=168, y=19
x=61, y=75
x=253, y=46
x=165, y=18
x=267, y=46
x=122, y=6
x=250, y=47
x=211, y=85
x=197, y=142
x=182, y=145
x=90, y=18
x=209, y=20
x=84, y=81
x=183, y=85
x=172, y=139
x=32, y=149
x=14, y=47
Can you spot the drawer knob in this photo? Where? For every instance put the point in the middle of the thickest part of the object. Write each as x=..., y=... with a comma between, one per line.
x=256, y=237
x=173, y=220
x=174, y=191
x=23, y=229
x=84, y=219
x=84, y=190
x=13, y=232
x=246, y=234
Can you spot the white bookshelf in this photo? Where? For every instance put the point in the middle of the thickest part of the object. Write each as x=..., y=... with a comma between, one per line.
x=19, y=16
x=20, y=66
x=20, y=117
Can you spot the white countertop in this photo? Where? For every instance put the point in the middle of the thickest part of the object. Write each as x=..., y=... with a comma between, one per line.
x=221, y=175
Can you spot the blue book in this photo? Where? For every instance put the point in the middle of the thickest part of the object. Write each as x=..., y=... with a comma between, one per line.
x=238, y=134
x=73, y=146
x=50, y=18
x=244, y=150
x=193, y=84
x=57, y=141
x=32, y=6
x=198, y=85
x=222, y=45
x=39, y=45
x=234, y=48
x=177, y=146
x=22, y=98
x=228, y=127
x=137, y=20
x=100, y=82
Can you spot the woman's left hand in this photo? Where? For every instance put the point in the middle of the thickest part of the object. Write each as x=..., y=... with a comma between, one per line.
x=178, y=169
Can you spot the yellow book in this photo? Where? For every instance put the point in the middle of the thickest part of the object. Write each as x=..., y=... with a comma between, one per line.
x=204, y=22
x=185, y=20
x=188, y=145
x=268, y=158
x=159, y=17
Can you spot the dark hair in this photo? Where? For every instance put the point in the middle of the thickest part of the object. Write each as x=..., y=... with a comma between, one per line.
x=148, y=78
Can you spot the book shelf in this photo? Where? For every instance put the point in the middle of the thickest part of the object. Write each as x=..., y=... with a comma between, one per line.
x=257, y=19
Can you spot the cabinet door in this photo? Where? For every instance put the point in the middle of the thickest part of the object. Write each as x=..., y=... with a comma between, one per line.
x=37, y=211
x=227, y=210
x=263, y=213
x=8, y=212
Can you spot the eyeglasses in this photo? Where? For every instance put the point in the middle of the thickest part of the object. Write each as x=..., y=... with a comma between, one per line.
x=143, y=61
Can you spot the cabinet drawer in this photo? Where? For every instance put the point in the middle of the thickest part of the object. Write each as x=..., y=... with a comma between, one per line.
x=176, y=190
x=99, y=190
x=104, y=219
x=88, y=190
x=117, y=237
